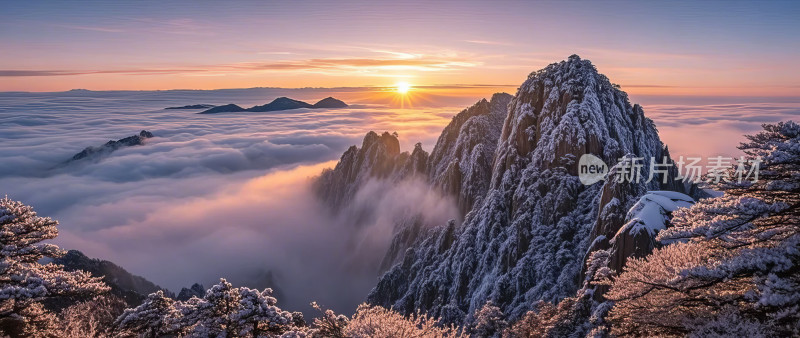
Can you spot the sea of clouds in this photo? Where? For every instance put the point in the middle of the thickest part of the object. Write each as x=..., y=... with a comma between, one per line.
x=227, y=195
x=210, y=196
x=707, y=127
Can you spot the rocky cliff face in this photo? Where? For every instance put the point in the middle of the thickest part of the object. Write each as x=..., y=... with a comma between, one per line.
x=528, y=237
x=196, y=290
x=461, y=162
x=460, y=166
x=378, y=157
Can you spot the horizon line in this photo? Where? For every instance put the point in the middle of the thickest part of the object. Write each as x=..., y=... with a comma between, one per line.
x=390, y=87
x=435, y=86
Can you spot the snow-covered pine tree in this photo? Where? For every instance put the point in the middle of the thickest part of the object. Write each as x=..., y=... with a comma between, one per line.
x=329, y=324
x=210, y=316
x=734, y=257
x=155, y=317
x=224, y=311
x=23, y=280
x=534, y=323
x=257, y=314
x=39, y=322
x=379, y=322
x=488, y=321
x=91, y=318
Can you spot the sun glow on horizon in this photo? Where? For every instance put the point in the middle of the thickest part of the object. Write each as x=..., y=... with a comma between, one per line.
x=403, y=87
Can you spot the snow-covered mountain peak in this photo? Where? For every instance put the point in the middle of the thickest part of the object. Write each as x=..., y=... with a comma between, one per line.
x=527, y=237
x=569, y=109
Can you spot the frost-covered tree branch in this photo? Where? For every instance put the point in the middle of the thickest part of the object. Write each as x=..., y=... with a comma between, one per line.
x=735, y=256
x=23, y=281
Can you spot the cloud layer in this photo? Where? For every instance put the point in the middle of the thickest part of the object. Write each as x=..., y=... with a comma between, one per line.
x=209, y=196
x=706, y=129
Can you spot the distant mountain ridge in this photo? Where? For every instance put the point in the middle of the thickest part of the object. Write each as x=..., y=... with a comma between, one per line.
x=196, y=290
x=330, y=102
x=281, y=103
x=131, y=288
x=193, y=106
x=228, y=108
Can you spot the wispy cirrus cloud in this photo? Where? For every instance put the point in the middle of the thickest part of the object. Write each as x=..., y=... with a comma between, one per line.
x=343, y=65
x=178, y=26
x=22, y=73
x=13, y=73
x=420, y=63
x=646, y=86
x=488, y=42
x=95, y=28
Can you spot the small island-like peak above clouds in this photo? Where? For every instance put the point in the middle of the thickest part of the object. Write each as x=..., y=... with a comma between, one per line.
x=281, y=103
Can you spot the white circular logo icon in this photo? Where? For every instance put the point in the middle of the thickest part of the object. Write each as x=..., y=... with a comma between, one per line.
x=591, y=169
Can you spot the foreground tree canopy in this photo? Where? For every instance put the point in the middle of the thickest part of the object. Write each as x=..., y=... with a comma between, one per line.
x=24, y=282
x=735, y=262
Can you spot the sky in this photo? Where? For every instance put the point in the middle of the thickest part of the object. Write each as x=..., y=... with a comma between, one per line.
x=706, y=48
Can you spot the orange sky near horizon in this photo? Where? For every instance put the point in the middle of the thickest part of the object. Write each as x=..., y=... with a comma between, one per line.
x=631, y=82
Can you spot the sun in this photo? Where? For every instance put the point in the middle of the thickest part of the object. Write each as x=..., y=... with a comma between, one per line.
x=403, y=87
x=403, y=94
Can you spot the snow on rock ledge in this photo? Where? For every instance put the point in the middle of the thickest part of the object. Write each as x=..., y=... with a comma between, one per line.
x=651, y=214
